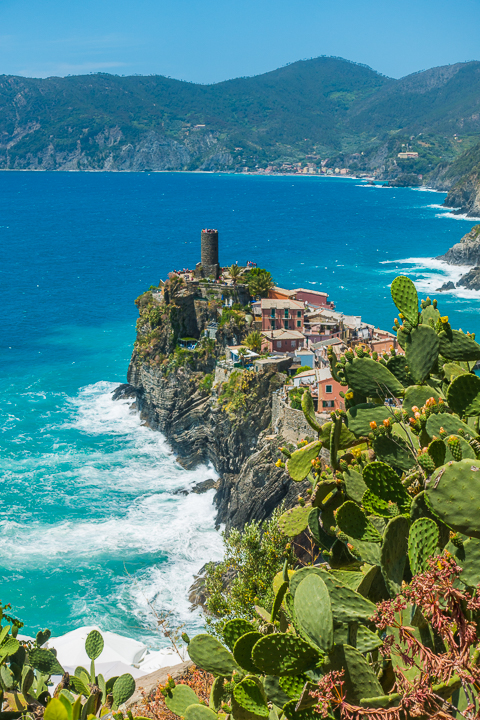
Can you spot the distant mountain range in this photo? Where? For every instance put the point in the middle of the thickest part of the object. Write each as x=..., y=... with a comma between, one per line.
x=325, y=109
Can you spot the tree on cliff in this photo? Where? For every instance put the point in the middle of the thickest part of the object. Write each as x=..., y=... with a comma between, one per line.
x=259, y=282
x=236, y=273
x=253, y=341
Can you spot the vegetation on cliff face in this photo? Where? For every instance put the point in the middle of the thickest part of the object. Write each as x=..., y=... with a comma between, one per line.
x=324, y=106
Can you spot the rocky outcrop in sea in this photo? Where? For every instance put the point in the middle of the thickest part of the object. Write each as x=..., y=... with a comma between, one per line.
x=466, y=252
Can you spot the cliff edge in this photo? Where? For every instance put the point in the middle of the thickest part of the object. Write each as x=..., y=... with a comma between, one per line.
x=466, y=252
x=207, y=416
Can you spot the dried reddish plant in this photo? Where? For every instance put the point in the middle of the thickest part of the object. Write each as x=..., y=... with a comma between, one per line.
x=153, y=705
x=449, y=609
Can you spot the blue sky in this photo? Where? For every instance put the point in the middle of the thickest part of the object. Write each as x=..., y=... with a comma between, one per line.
x=211, y=40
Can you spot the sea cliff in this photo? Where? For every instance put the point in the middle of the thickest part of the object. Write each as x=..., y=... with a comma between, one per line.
x=225, y=423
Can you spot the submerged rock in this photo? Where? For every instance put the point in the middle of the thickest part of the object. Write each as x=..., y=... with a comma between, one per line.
x=446, y=286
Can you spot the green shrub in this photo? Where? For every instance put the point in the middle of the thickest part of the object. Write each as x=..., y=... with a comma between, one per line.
x=302, y=368
x=206, y=383
x=252, y=559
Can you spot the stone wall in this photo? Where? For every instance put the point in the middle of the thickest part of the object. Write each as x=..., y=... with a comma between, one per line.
x=290, y=423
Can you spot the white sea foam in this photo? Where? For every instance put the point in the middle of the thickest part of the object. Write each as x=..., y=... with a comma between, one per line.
x=430, y=274
x=124, y=479
x=455, y=216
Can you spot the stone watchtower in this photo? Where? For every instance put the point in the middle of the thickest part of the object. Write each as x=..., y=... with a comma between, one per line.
x=209, y=256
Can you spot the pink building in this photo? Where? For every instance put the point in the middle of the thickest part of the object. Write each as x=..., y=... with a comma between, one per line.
x=312, y=297
x=282, y=341
x=282, y=314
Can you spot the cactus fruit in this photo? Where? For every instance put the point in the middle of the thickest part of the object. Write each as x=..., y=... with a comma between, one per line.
x=453, y=494
x=294, y=521
x=372, y=379
x=463, y=395
x=426, y=463
x=453, y=444
x=242, y=652
x=394, y=553
x=200, y=712
x=300, y=464
x=405, y=297
x=309, y=411
x=322, y=539
x=210, y=655
x=123, y=689
x=455, y=345
x=353, y=522
x=422, y=543
x=283, y=654
x=179, y=698
x=313, y=611
x=421, y=352
x=250, y=695
x=384, y=483
x=234, y=629
x=359, y=417
x=94, y=644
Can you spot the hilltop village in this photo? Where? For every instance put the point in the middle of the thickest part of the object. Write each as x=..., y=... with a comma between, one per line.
x=291, y=330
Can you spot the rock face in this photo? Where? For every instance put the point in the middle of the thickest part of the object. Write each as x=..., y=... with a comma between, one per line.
x=465, y=195
x=467, y=251
x=203, y=425
x=471, y=280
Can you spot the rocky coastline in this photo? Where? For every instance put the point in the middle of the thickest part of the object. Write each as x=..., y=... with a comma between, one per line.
x=466, y=252
x=240, y=445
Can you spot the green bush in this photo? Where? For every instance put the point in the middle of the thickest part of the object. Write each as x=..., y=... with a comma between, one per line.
x=252, y=559
x=206, y=383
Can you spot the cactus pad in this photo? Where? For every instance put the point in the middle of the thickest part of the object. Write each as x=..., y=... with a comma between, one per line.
x=123, y=689
x=274, y=690
x=354, y=485
x=421, y=352
x=313, y=611
x=94, y=644
x=463, y=395
x=450, y=423
x=422, y=543
x=470, y=562
x=437, y=451
x=455, y=345
x=242, y=652
x=384, y=483
x=216, y=694
x=293, y=685
x=453, y=493
x=398, y=367
x=395, y=451
x=309, y=411
x=234, y=629
x=359, y=417
x=179, y=698
x=45, y=661
x=371, y=378
x=353, y=522
x=404, y=295
x=322, y=539
x=452, y=370
x=417, y=396
x=250, y=695
x=367, y=641
x=360, y=678
x=210, y=655
x=279, y=595
x=430, y=314
x=200, y=712
x=300, y=464
x=394, y=553
x=283, y=654
x=294, y=521
x=291, y=713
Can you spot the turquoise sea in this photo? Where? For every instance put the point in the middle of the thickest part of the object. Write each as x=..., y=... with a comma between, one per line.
x=92, y=529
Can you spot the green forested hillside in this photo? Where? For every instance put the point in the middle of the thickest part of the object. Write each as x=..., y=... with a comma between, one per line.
x=324, y=107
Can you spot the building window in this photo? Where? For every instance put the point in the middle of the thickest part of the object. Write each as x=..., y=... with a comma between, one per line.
x=279, y=343
x=285, y=324
x=299, y=313
x=272, y=312
x=299, y=323
x=286, y=313
x=272, y=324
x=328, y=403
x=328, y=389
x=293, y=343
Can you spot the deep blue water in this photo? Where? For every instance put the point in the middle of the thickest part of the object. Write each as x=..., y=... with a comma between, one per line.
x=91, y=527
